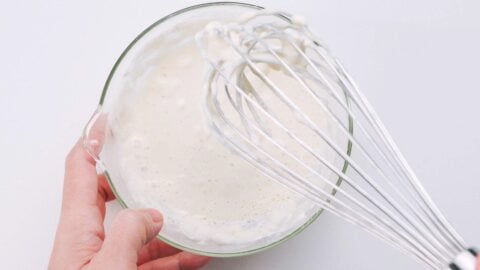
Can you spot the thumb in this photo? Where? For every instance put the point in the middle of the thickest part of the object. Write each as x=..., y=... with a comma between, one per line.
x=129, y=232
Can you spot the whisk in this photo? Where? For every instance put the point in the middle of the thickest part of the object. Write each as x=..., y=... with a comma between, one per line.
x=276, y=97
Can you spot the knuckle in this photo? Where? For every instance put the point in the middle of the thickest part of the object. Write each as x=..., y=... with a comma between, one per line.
x=132, y=222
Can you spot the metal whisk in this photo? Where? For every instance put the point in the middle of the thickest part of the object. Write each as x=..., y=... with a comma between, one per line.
x=276, y=97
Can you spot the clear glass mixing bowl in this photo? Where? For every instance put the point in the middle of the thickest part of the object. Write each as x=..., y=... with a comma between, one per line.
x=221, y=11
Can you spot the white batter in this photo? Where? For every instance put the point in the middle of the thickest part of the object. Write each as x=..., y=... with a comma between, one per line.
x=162, y=154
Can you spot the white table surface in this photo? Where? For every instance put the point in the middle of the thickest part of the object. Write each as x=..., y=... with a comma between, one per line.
x=417, y=61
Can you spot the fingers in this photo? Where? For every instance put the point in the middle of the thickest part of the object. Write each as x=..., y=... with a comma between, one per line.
x=105, y=194
x=155, y=249
x=95, y=135
x=81, y=183
x=179, y=261
x=129, y=232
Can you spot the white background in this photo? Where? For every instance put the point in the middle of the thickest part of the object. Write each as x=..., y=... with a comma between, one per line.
x=417, y=61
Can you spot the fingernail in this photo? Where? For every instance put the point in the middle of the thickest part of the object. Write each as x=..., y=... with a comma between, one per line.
x=155, y=215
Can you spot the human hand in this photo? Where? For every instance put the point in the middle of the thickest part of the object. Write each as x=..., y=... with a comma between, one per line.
x=130, y=243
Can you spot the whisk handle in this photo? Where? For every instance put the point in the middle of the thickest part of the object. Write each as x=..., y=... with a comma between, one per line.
x=466, y=260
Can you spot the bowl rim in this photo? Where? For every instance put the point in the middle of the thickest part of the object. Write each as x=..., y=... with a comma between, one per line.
x=109, y=179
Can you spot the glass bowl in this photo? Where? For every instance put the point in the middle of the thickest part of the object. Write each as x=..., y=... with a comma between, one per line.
x=114, y=85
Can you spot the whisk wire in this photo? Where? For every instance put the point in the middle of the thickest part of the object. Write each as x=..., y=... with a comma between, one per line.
x=359, y=146
x=308, y=191
x=408, y=172
x=407, y=218
x=347, y=179
x=312, y=125
x=355, y=142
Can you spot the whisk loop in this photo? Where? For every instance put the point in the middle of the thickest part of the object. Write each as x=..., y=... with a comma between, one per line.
x=276, y=97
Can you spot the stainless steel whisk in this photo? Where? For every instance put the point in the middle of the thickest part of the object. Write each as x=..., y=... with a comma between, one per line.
x=284, y=104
